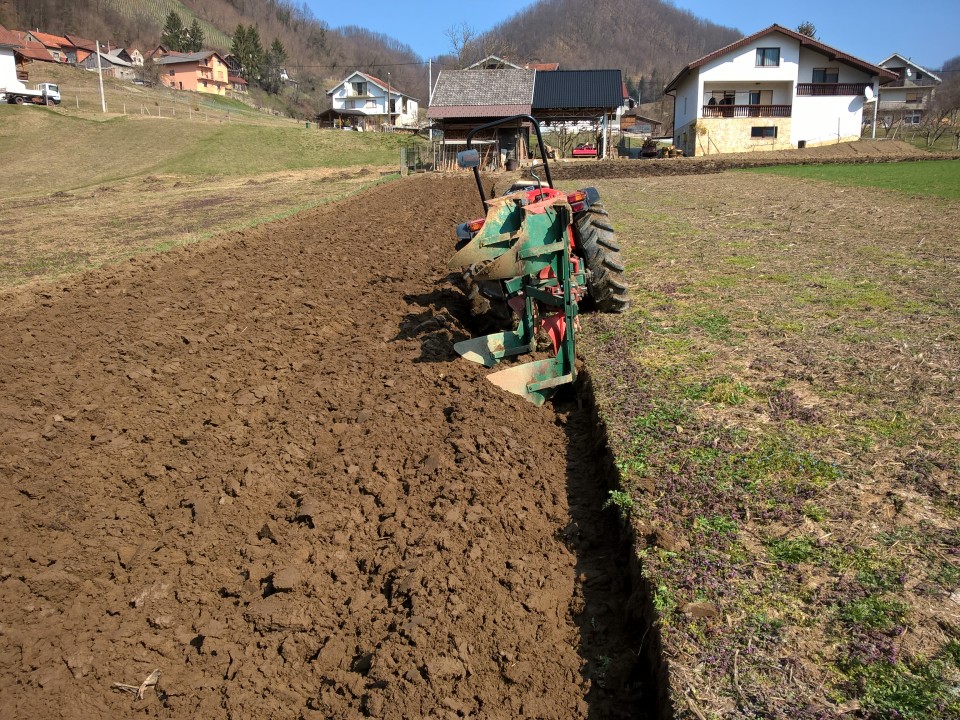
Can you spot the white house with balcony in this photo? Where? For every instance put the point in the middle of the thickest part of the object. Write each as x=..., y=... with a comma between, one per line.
x=368, y=103
x=772, y=90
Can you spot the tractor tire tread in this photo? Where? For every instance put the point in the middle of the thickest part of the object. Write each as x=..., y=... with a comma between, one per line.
x=596, y=240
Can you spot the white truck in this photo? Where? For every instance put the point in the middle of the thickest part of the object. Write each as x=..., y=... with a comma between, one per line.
x=43, y=94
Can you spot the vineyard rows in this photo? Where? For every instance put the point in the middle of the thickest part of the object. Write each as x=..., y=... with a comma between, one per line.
x=158, y=10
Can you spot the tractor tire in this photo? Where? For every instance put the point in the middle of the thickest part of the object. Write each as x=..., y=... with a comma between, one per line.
x=598, y=245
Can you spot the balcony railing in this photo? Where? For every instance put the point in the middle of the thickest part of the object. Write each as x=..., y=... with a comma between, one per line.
x=826, y=89
x=746, y=111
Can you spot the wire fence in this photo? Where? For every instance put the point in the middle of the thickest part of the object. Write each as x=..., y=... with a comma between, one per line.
x=165, y=103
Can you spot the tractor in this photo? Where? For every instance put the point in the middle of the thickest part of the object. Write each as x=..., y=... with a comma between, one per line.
x=527, y=266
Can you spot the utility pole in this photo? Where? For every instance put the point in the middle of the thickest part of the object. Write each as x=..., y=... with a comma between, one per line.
x=103, y=100
x=389, y=93
x=430, y=96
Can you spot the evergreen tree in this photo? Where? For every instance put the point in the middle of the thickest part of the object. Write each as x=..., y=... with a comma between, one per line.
x=174, y=33
x=807, y=28
x=274, y=60
x=195, y=37
x=248, y=52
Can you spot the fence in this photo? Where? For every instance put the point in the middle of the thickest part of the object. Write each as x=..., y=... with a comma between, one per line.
x=166, y=103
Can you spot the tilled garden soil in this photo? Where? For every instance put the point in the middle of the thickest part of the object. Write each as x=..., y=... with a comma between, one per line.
x=257, y=467
x=849, y=153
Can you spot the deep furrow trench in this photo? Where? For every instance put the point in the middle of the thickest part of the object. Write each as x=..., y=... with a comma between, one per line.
x=257, y=467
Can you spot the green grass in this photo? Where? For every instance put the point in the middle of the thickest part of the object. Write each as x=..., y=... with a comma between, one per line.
x=44, y=151
x=778, y=407
x=935, y=178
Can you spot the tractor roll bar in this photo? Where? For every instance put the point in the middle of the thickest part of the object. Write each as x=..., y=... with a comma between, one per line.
x=503, y=121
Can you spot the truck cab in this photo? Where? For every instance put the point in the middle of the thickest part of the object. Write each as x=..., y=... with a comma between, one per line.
x=50, y=91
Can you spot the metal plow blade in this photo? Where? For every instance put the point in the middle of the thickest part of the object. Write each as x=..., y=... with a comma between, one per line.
x=534, y=381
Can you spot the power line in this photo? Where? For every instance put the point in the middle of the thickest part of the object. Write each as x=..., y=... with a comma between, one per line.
x=362, y=64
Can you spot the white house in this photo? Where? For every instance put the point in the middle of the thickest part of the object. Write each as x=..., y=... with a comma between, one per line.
x=361, y=100
x=8, y=62
x=772, y=90
x=908, y=97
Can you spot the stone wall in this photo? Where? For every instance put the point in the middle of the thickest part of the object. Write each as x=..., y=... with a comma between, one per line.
x=732, y=135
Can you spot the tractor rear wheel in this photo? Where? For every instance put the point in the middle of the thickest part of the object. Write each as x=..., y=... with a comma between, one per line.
x=598, y=245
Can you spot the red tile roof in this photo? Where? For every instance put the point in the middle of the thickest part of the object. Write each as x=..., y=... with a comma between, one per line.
x=82, y=43
x=48, y=40
x=7, y=37
x=31, y=49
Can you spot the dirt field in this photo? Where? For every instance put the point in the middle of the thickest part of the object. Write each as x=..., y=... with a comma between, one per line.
x=257, y=467
x=865, y=151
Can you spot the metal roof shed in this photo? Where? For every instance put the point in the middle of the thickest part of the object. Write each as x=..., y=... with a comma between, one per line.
x=576, y=94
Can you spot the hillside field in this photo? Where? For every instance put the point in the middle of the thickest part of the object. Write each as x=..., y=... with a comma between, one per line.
x=256, y=464
x=80, y=192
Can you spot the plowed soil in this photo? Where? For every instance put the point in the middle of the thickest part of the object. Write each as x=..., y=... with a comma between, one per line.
x=258, y=467
x=849, y=153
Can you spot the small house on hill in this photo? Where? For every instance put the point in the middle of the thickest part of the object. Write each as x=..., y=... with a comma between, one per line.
x=53, y=44
x=112, y=65
x=365, y=102
x=203, y=71
x=78, y=49
x=907, y=98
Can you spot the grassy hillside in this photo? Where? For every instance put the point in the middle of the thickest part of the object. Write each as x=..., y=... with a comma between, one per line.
x=79, y=193
x=45, y=151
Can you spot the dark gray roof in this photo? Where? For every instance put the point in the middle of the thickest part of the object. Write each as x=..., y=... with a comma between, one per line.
x=192, y=57
x=460, y=88
x=571, y=89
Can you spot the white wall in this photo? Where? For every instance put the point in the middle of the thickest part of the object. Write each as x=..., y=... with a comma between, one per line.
x=8, y=70
x=824, y=119
x=741, y=64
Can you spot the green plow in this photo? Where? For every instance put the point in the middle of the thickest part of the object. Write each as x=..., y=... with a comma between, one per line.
x=525, y=243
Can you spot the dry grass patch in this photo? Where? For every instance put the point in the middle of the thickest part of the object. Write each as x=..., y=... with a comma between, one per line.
x=87, y=228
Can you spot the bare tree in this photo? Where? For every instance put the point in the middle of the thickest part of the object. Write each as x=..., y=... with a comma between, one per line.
x=943, y=113
x=461, y=37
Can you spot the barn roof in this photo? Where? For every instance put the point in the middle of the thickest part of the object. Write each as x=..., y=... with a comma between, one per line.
x=578, y=89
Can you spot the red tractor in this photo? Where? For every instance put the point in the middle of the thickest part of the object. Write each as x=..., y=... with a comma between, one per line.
x=527, y=265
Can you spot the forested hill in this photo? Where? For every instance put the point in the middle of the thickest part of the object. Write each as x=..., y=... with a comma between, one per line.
x=649, y=40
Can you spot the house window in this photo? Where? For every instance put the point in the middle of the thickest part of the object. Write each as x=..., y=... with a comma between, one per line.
x=911, y=119
x=761, y=97
x=359, y=88
x=763, y=132
x=768, y=57
x=913, y=97
x=826, y=75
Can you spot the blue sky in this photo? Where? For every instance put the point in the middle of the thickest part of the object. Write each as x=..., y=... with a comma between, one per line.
x=927, y=32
